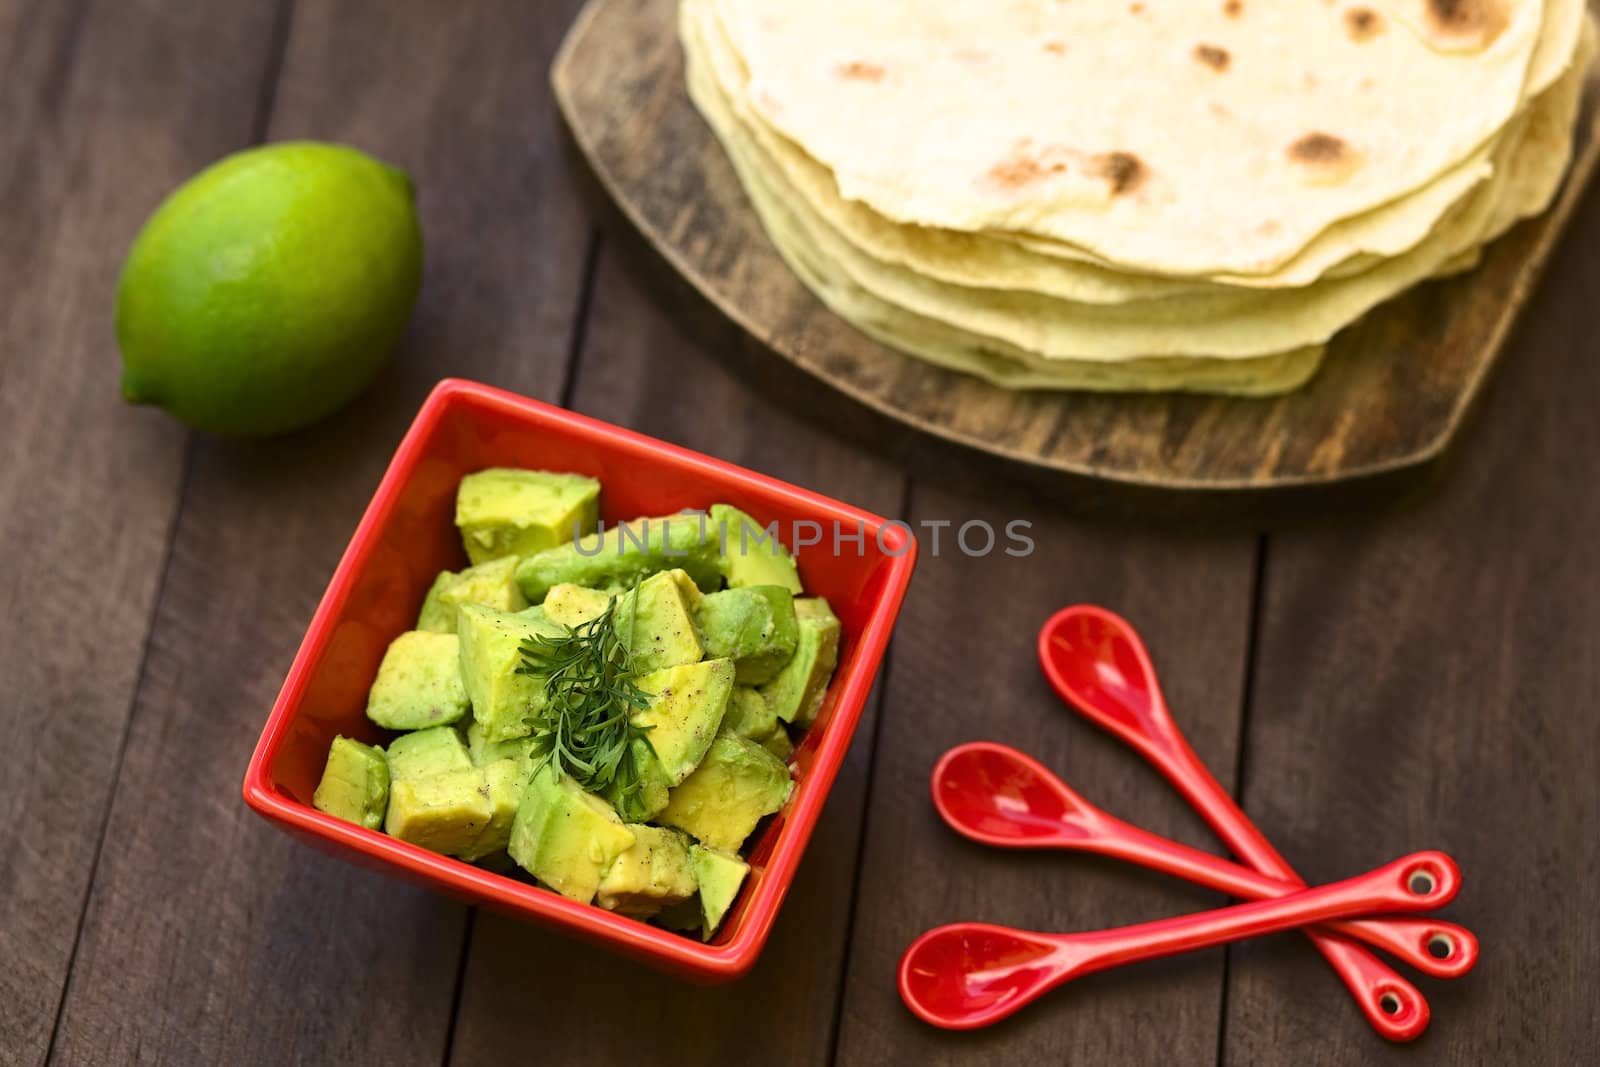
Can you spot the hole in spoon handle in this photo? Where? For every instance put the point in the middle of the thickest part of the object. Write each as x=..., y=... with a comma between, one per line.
x=1395, y=1009
x=1437, y=949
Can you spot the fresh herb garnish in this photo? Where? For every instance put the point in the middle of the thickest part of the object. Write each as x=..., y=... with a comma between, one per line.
x=586, y=727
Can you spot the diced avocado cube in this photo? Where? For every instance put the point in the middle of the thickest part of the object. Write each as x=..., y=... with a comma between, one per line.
x=749, y=715
x=506, y=512
x=435, y=617
x=797, y=691
x=441, y=812
x=661, y=634
x=427, y=752
x=492, y=584
x=613, y=559
x=654, y=873
x=660, y=629
x=644, y=800
x=752, y=554
x=565, y=837
x=501, y=786
x=737, y=785
x=686, y=705
x=573, y=605
x=718, y=875
x=418, y=683
x=484, y=752
x=754, y=626
x=355, y=784
x=778, y=743
x=491, y=655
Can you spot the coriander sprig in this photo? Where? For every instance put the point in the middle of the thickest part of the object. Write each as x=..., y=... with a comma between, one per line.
x=586, y=727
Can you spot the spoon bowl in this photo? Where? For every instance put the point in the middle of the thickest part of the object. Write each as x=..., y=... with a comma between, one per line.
x=998, y=796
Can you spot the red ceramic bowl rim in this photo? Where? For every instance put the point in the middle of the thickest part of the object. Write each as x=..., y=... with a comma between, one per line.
x=711, y=962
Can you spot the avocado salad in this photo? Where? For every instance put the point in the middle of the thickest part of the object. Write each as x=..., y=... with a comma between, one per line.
x=608, y=710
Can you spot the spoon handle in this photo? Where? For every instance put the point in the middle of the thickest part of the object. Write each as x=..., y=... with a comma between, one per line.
x=1393, y=1006
x=1420, y=881
x=1436, y=948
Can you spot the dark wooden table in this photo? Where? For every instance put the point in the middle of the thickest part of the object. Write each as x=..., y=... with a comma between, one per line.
x=1427, y=677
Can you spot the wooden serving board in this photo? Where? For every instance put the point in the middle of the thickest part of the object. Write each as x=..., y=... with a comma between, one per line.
x=1392, y=393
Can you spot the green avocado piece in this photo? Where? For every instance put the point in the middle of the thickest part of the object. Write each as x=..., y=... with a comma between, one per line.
x=754, y=626
x=491, y=654
x=355, y=784
x=565, y=837
x=441, y=812
x=427, y=752
x=737, y=784
x=418, y=683
x=501, y=786
x=686, y=705
x=718, y=875
x=434, y=616
x=507, y=512
x=492, y=584
x=749, y=715
x=573, y=605
x=613, y=559
x=778, y=743
x=484, y=752
x=644, y=802
x=654, y=873
x=797, y=691
x=663, y=632
x=751, y=554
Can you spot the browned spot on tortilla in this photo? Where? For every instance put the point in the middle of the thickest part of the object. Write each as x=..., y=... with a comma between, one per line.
x=1056, y=48
x=1022, y=167
x=1269, y=228
x=1472, y=22
x=1233, y=8
x=1320, y=150
x=1362, y=23
x=862, y=71
x=1135, y=9
x=1123, y=170
x=1219, y=109
x=972, y=56
x=1212, y=56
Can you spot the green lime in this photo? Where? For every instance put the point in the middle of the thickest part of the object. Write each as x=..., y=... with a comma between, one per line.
x=268, y=290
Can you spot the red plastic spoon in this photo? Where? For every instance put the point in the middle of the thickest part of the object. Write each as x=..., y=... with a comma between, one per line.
x=998, y=796
x=1097, y=663
x=969, y=975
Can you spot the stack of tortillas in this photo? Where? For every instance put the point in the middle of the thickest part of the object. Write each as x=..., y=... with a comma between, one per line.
x=1110, y=195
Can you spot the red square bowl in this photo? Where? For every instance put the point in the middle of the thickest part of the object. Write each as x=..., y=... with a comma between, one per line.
x=408, y=535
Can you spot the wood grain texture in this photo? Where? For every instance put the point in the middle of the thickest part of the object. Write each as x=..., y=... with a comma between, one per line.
x=637, y=370
x=963, y=668
x=210, y=937
x=1430, y=681
x=98, y=119
x=1393, y=392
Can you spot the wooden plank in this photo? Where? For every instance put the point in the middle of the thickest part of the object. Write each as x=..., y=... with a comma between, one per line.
x=1430, y=681
x=637, y=371
x=102, y=110
x=211, y=938
x=964, y=669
